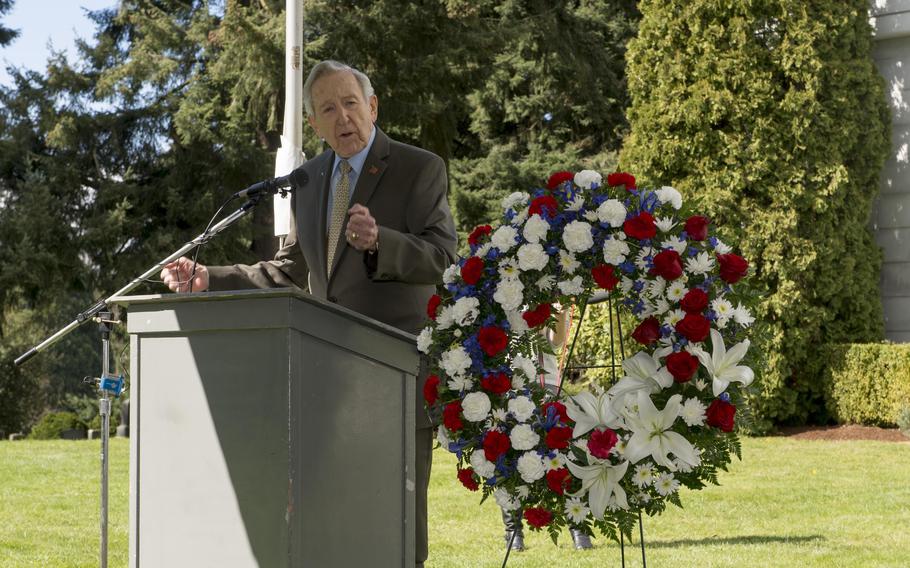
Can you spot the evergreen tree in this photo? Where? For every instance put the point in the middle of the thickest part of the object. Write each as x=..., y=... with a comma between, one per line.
x=770, y=113
x=7, y=35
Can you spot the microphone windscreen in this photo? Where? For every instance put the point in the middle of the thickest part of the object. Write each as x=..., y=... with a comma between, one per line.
x=299, y=178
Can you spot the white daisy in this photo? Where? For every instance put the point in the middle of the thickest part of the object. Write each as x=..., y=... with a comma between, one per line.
x=643, y=475
x=557, y=461
x=576, y=204
x=676, y=291
x=674, y=317
x=545, y=283
x=576, y=510
x=567, y=262
x=666, y=484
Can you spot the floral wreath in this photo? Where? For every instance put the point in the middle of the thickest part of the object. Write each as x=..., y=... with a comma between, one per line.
x=594, y=460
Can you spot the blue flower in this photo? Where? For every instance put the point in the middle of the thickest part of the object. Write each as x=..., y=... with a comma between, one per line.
x=724, y=397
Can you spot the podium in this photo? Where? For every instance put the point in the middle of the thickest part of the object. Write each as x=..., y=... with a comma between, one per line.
x=268, y=429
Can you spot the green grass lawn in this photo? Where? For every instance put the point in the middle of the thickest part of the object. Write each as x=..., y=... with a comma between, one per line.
x=788, y=504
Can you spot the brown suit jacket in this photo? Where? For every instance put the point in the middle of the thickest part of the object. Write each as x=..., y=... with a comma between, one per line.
x=405, y=190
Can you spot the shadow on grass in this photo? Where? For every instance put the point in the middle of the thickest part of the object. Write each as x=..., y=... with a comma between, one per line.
x=753, y=539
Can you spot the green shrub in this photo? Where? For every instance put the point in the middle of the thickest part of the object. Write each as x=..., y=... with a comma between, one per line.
x=903, y=420
x=868, y=383
x=53, y=424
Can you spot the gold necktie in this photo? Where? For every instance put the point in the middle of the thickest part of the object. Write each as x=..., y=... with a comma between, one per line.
x=339, y=210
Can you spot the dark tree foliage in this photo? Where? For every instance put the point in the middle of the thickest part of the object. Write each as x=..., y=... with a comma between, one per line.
x=7, y=35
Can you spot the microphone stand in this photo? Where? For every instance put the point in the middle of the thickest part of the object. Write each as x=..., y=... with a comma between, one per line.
x=108, y=384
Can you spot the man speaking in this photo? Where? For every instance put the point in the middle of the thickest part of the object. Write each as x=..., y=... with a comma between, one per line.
x=371, y=230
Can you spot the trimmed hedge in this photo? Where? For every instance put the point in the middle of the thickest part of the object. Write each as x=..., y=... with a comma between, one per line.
x=52, y=425
x=868, y=383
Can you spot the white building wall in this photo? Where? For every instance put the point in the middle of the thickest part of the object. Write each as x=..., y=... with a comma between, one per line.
x=891, y=211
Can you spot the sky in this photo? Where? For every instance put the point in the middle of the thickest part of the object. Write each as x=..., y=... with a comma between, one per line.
x=44, y=22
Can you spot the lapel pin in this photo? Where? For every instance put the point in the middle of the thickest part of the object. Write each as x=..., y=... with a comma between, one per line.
x=373, y=170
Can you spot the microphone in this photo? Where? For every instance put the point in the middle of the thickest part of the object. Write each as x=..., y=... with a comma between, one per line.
x=296, y=179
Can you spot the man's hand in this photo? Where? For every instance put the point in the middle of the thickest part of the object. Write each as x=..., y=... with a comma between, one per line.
x=176, y=275
x=362, y=232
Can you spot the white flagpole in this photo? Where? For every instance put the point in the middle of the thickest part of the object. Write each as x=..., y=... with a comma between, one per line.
x=290, y=155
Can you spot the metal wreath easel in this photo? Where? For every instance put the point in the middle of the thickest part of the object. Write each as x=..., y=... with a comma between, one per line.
x=613, y=311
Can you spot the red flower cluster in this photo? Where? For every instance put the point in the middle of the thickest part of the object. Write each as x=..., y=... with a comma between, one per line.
x=558, y=438
x=694, y=301
x=640, y=227
x=559, y=178
x=495, y=443
x=697, y=227
x=431, y=390
x=604, y=276
x=720, y=415
x=538, y=517
x=496, y=383
x=433, y=305
x=667, y=265
x=478, y=232
x=471, y=270
x=732, y=267
x=694, y=327
x=621, y=178
x=682, y=365
x=544, y=202
x=558, y=480
x=647, y=332
x=466, y=477
x=451, y=416
x=538, y=315
x=493, y=340
x=601, y=442
x=560, y=410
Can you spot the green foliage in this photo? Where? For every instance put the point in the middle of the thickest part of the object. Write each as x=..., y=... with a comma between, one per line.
x=903, y=421
x=771, y=115
x=7, y=35
x=867, y=383
x=53, y=424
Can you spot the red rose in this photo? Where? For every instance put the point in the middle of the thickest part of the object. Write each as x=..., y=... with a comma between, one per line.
x=451, y=416
x=538, y=517
x=478, y=232
x=433, y=305
x=732, y=267
x=558, y=480
x=604, y=276
x=601, y=442
x=682, y=365
x=492, y=340
x=471, y=270
x=431, y=390
x=466, y=477
x=559, y=178
x=496, y=383
x=667, y=265
x=694, y=301
x=495, y=443
x=694, y=327
x=697, y=227
x=558, y=437
x=720, y=415
x=640, y=227
x=544, y=202
x=559, y=409
x=537, y=316
x=621, y=178
x=647, y=331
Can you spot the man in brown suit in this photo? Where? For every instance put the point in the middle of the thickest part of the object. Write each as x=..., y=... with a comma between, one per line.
x=371, y=231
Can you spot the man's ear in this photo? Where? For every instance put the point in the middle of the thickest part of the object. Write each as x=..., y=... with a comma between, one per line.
x=312, y=123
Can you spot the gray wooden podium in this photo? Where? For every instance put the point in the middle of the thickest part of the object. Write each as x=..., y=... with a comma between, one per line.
x=269, y=429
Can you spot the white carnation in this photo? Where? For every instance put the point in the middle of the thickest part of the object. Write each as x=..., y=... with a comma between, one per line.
x=577, y=236
x=466, y=310
x=615, y=251
x=587, y=179
x=517, y=324
x=522, y=408
x=522, y=366
x=505, y=501
x=504, y=238
x=442, y=436
x=612, y=212
x=532, y=257
x=425, y=339
x=476, y=406
x=535, y=229
x=523, y=437
x=451, y=274
x=509, y=293
x=531, y=467
x=455, y=361
x=445, y=317
x=667, y=194
x=571, y=287
x=483, y=466
x=515, y=199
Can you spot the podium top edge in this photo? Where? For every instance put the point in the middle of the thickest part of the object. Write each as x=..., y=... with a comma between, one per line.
x=262, y=293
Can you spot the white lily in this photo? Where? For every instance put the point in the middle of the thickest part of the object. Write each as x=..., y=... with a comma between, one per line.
x=643, y=373
x=651, y=434
x=722, y=365
x=589, y=412
x=601, y=481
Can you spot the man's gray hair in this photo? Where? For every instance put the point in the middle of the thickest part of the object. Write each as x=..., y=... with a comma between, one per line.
x=328, y=67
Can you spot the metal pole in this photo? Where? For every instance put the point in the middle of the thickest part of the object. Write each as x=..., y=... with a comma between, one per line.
x=105, y=410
